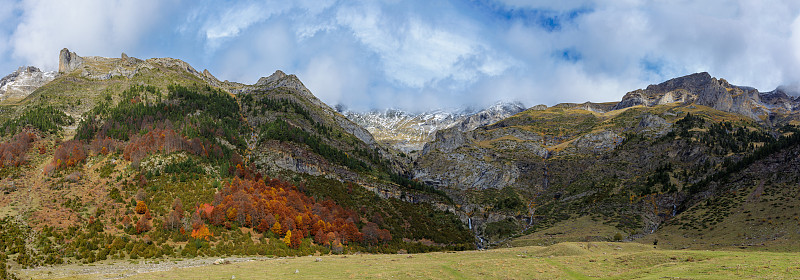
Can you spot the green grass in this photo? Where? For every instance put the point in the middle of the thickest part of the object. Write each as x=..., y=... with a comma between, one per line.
x=595, y=260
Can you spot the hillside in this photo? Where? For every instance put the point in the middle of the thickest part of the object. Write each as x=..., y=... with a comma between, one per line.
x=632, y=167
x=122, y=158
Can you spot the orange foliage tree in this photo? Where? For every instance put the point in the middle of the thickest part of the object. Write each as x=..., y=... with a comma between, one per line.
x=201, y=233
x=141, y=208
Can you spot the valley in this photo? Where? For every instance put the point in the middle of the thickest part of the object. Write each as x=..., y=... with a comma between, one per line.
x=124, y=160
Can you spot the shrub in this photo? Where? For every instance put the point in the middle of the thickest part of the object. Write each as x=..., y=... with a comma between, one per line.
x=141, y=207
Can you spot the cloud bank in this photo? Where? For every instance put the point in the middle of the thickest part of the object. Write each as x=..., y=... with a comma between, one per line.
x=421, y=55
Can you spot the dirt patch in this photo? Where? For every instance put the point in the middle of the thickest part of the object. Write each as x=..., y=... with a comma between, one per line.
x=118, y=269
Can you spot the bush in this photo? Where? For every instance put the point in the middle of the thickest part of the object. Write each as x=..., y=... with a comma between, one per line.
x=141, y=207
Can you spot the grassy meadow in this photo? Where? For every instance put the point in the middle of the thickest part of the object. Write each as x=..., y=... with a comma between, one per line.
x=571, y=260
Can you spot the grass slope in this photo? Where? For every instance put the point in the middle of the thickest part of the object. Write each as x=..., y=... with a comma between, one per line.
x=561, y=261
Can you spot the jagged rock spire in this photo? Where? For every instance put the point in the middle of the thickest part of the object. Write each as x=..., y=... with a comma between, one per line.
x=68, y=61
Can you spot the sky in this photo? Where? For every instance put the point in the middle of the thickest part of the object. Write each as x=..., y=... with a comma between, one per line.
x=421, y=54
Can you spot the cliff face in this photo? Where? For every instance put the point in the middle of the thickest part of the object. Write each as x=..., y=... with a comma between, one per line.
x=702, y=89
x=68, y=61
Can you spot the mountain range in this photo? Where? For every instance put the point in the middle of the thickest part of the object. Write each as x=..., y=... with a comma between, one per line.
x=408, y=132
x=172, y=161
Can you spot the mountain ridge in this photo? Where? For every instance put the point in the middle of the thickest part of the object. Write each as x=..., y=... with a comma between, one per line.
x=634, y=166
x=408, y=132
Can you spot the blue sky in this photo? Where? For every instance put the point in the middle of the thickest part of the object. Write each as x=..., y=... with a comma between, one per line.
x=421, y=55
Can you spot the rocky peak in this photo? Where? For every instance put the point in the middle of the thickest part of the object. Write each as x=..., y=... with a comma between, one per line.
x=702, y=89
x=23, y=82
x=68, y=61
x=693, y=82
x=291, y=82
x=281, y=79
x=265, y=81
x=493, y=114
x=779, y=101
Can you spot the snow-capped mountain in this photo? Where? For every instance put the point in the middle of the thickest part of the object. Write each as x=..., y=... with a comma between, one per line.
x=409, y=132
x=22, y=82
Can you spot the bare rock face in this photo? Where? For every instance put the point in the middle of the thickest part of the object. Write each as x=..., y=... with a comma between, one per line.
x=702, y=89
x=68, y=61
x=23, y=82
x=780, y=101
x=601, y=141
x=654, y=124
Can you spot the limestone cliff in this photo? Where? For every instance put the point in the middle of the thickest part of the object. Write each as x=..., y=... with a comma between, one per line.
x=702, y=89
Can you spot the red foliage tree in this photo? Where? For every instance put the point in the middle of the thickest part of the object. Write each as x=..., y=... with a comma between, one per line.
x=157, y=140
x=126, y=221
x=12, y=153
x=320, y=237
x=142, y=225
x=104, y=145
x=296, y=239
x=69, y=153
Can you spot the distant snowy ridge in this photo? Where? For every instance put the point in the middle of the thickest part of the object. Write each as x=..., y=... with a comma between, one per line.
x=19, y=84
x=408, y=132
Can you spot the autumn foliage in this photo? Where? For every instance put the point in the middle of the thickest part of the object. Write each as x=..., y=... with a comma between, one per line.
x=201, y=233
x=166, y=140
x=12, y=153
x=143, y=225
x=276, y=206
x=69, y=153
x=141, y=207
x=105, y=145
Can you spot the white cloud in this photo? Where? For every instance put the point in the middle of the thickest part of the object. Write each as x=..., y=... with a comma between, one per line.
x=415, y=53
x=425, y=54
x=229, y=21
x=795, y=45
x=89, y=27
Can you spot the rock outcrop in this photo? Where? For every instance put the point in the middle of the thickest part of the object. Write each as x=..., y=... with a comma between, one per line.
x=23, y=82
x=702, y=89
x=68, y=61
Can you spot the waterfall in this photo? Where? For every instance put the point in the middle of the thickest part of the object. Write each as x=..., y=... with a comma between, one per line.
x=545, y=180
x=469, y=222
x=673, y=210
